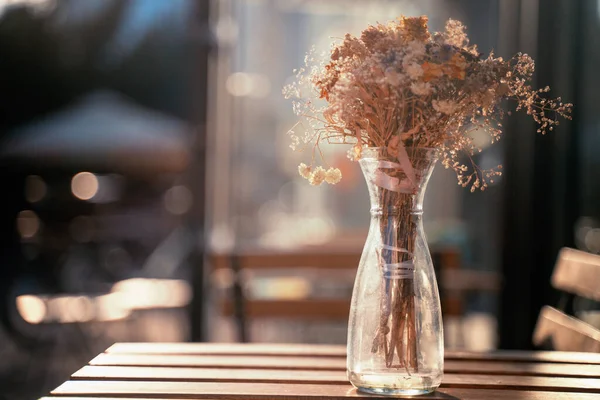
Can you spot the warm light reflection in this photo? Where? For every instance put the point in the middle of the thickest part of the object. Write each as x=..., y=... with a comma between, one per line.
x=126, y=296
x=28, y=224
x=141, y=293
x=110, y=307
x=290, y=288
x=31, y=308
x=288, y=230
x=81, y=309
x=70, y=309
x=243, y=84
x=84, y=185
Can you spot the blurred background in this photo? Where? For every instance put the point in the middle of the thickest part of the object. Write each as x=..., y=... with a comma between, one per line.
x=148, y=192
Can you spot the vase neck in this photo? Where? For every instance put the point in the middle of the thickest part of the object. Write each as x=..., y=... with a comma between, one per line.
x=397, y=186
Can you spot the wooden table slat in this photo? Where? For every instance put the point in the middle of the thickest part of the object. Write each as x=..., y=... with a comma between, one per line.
x=336, y=364
x=565, y=357
x=209, y=374
x=215, y=361
x=288, y=349
x=335, y=377
x=522, y=369
x=186, y=373
x=203, y=390
x=340, y=351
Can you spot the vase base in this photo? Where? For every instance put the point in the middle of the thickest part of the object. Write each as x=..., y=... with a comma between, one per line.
x=394, y=392
x=395, y=383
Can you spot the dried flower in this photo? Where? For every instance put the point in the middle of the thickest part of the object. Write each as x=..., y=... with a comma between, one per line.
x=416, y=49
x=432, y=71
x=317, y=176
x=394, y=78
x=420, y=88
x=354, y=153
x=414, y=71
x=414, y=28
x=333, y=176
x=304, y=170
x=399, y=84
x=444, y=106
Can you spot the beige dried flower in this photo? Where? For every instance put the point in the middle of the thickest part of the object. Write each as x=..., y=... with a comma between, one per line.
x=444, y=106
x=354, y=153
x=414, y=71
x=420, y=88
x=416, y=49
x=333, y=176
x=374, y=38
x=393, y=77
x=304, y=170
x=317, y=176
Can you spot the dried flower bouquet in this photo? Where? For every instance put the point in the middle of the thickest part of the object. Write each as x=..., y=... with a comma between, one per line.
x=400, y=88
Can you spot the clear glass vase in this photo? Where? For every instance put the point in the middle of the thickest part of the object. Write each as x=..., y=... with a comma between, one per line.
x=395, y=332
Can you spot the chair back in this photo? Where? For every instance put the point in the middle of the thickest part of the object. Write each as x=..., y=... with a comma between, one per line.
x=576, y=273
x=327, y=274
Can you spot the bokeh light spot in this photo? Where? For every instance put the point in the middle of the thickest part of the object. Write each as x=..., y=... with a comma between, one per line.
x=178, y=200
x=28, y=224
x=84, y=185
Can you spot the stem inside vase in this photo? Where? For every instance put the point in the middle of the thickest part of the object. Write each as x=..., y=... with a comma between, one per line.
x=397, y=327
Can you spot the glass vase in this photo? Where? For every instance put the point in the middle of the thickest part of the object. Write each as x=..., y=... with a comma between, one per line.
x=395, y=332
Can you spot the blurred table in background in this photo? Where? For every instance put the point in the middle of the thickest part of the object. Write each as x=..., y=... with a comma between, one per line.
x=285, y=371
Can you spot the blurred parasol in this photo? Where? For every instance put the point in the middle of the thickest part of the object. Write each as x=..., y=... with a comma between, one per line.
x=103, y=131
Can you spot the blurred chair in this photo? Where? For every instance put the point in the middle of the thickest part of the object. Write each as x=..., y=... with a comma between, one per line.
x=318, y=265
x=577, y=273
x=322, y=263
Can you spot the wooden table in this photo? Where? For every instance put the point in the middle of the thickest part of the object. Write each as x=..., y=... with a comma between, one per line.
x=287, y=371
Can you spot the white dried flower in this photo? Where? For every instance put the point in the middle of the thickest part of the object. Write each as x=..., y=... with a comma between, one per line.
x=393, y=77
x=333, y=176
x=304, y=170
x=444, y=106
x=354, y=153
x=414, y=71
x=295, y=141
x=416, y=48
x=317, y=176
x=420, y=88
